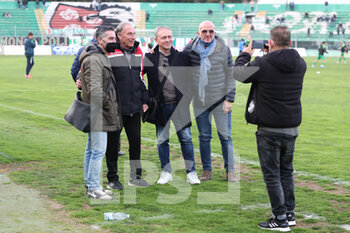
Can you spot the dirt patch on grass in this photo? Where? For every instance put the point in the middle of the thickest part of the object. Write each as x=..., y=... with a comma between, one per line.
x=333, y=189
x=317, y=225
x=17, y=166
x=341, y=206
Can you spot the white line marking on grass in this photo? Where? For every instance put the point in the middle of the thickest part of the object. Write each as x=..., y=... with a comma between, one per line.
x=31, y=112
x=312, y=216
x=210, y=211
x=346, y=227
x=245, y=161
x=5, y=155
x=319, y=177
x=164, y=216
x=259, y=205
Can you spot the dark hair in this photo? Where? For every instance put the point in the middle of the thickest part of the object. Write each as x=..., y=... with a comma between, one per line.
x=101, y=30
x=281, y=36
x=30, y=34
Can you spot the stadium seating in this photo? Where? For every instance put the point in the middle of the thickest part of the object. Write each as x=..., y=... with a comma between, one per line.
x=184, y=19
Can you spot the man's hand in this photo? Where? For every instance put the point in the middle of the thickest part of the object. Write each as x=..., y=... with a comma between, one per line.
x=227, y=106
x=78, y=83
x=249, y=49
x=144, y=107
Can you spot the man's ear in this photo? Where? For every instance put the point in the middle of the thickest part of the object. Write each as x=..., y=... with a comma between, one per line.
x=271, y=43
x=291, y=42
x=198, y=33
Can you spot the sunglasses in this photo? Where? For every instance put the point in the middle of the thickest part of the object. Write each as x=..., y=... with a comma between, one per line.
x=206, y=31
x=166, y=62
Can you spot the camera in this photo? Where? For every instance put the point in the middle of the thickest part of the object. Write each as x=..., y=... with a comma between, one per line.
x=259, y=44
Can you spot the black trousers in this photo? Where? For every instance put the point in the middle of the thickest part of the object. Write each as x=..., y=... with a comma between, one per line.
x=276, y=160
x=30, y=64
x=132, y=127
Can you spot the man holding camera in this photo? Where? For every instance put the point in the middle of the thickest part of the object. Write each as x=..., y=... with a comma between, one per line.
x=274, y=105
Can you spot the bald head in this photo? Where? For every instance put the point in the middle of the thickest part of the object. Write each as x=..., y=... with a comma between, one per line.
x=206, y=31
x=205, y=24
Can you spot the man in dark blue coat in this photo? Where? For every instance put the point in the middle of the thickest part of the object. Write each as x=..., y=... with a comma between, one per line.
x=166, y=82
x=29, y=45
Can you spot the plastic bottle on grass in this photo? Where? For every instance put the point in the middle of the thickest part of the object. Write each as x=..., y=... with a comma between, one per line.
x=109, y=216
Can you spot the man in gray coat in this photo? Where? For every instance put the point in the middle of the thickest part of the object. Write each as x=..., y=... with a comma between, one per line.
x=213, y=89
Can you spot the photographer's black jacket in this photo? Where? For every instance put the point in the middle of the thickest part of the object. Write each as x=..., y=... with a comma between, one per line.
x=276, y=87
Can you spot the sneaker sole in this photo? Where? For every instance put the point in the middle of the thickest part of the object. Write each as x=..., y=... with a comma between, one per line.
x=281, y=229
x=205, y=179
x=130, y=184
x=193, y=182
x=93, y=197
x=292, y=223
x=109, y=187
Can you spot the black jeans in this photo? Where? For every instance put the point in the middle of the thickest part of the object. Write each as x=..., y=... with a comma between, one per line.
x=132, y=127
x=276, y=160
x=30, y=64
x=113, y=147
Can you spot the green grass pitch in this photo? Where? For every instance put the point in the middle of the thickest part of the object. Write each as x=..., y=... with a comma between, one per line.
x=47, y=154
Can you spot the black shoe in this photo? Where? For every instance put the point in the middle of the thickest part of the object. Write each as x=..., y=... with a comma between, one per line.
x=291, y=219
x=138, y=182
x=275, y=225
x=115, y=185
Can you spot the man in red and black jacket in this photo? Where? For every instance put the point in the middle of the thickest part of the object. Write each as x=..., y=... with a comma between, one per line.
x=126, y=63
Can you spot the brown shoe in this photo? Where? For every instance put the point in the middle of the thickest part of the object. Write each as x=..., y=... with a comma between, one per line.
x=231, y=176
x=207, y=175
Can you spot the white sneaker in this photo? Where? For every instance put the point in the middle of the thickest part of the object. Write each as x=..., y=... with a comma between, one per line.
x=107, y=192
x=192, y=178
x=165, y=177
x=98, y=194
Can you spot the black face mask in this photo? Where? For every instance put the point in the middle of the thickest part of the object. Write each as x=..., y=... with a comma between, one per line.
x=111, y=47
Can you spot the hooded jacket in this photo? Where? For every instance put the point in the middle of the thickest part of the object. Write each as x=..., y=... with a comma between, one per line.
x=76, y=64
x=129, y=78
x=29, y=46
x=276, y=88
x=96, y=78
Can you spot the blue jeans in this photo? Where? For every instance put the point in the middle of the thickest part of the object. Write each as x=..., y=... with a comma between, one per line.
x=184, y=136
x=223, y=125
x=95, y=150
x=276, y=160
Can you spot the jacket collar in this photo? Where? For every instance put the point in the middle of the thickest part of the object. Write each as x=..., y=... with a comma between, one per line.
x=132, y=50
x=219, y=43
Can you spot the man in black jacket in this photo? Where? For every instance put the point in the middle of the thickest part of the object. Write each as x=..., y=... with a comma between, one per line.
x=163, y=82
x=274, y=105
x=126, y=63
x=29, y=45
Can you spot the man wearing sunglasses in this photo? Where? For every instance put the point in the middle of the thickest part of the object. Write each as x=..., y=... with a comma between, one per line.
x=213, y=90
x=164, y=82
